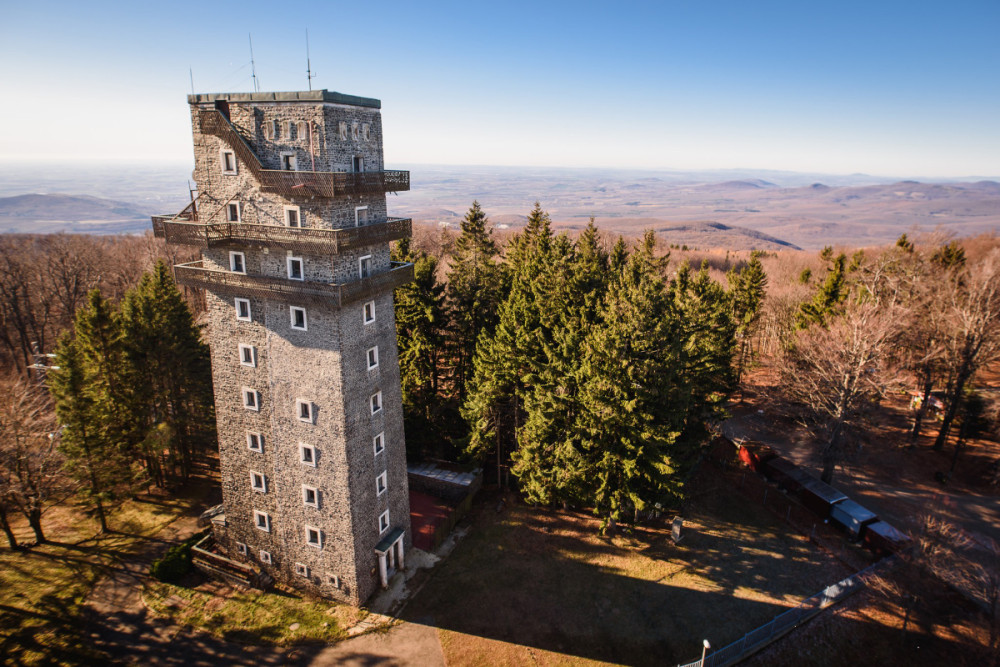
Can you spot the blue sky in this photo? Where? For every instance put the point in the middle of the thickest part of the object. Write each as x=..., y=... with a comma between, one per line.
x=906, y=89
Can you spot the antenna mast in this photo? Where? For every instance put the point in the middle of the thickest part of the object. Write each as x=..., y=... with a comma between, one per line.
x=191, y=73
x=309, y=75
x=253, y=68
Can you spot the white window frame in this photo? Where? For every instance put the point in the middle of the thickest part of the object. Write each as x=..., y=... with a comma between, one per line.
x=265, y=557
x=302, y=570
x=249, y=317
x=371, y=358
x=298, y=216
x=299, y=403
x=378, y=443
x=294, y=160
x=381, y=484
x=257, y=514
x=357, y=215
x=233, y=254
x=319, y=536
x=383, y=522
x=242, y=548
x=291, y=318
x=334, y=581
x=246, y=393
x=306, y=489
x=256, y=477
x=243, y=347
x=231, y=206
x=364, y=312
x=251, y=436
x=361, y=272
x=302, y=268
x=222, y=161
x=312, y=450
x=375, y=402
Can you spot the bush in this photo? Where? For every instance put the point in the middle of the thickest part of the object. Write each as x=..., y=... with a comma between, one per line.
x=174, y=564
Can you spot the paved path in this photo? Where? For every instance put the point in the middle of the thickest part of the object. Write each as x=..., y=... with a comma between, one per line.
x=403, y=645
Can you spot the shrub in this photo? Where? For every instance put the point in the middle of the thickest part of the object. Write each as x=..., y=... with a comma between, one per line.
x=174, y=564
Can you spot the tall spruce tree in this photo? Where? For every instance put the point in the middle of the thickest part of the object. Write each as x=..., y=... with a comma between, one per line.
x=747, y=290
x=474, y=293
x=829, y=298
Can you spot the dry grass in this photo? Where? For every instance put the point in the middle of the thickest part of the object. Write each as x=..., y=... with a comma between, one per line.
x=537, y=586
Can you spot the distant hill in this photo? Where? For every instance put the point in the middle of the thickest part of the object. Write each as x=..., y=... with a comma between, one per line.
x=47, y=213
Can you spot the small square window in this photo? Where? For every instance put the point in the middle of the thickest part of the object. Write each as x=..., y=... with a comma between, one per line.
x=383, y=522
x=228, y=162
x=262, y=520
x=314, y=537
x=233, y=212
x=365, y=266
x=307, y=454
x=288, y=162
x=237, y=262
x=243, y=310
x=373, y=358
x=301, y=570
x=298, y=318
x=304, y=410
x=335, y=581
x=265, y=557
x=310, y=496
x=248, y=355
x=360, y=216
x=293, y=216
x=255, y=441
x=251, y=399
x=376, y=402
x=380, y=484
x=379, y=443
x=368, y=314
x=257, y=482
x=295, y=268
x=242, y=548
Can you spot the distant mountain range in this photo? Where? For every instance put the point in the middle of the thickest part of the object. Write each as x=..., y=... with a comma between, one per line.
x=43, y=214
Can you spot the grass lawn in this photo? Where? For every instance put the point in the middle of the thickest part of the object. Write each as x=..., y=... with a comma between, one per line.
x=530, y=585
x=42, y=588
x=253, y=617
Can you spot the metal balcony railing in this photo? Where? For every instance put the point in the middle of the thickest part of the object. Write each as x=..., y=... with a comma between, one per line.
x=183, y=232
x=194, y=274
x=314, y=183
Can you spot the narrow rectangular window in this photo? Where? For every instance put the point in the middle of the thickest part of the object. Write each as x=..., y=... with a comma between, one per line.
x=360, y=216
x=255, y=441
x=380, y=484
x=237, y=262
x=376, y=402
x=233, y=212
x=373, y=358
x=295, y=268
x=314, y=537
x=228, y=162
x=243, y=310
x=366, y=132
x=342, y=131
x=251, y=399
x=359, y=162
x=368, y=315
x=307, y=454
x=262, y=520
x=293, y=216
x=257, y=482
x=298, y=318
x=265, y=557
x=242, y=548
x=248, y=355
x=365, y=266
x=379, y=443
x=305, y=410
x=310, y=496
x=288, y=162
x=302, y=570
x=383, y=522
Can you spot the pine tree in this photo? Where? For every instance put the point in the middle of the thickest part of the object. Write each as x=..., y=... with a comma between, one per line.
x=829, y=297
x=747, y=289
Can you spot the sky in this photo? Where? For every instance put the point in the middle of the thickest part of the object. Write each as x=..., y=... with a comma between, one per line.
x=905, y=89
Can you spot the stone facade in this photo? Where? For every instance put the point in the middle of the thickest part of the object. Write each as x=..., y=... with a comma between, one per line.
x=322, y=364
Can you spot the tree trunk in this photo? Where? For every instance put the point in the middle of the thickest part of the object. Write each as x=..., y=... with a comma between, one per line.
x=35, y=521
x=5, y=525
x=922, y=411
x=954, y=400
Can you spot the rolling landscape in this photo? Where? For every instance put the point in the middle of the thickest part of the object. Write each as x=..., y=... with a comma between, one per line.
x=737, y=210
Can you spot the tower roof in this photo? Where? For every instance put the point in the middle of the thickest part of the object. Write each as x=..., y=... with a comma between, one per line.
x=293, y=96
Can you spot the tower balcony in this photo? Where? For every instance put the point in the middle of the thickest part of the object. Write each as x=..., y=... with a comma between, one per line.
x=313, y=183
x=195, y=274
x=182, y=230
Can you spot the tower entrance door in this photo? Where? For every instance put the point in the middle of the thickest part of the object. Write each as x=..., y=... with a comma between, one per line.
x=390, y=555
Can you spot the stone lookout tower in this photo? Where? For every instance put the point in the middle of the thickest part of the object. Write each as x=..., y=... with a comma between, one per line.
x=291, y=217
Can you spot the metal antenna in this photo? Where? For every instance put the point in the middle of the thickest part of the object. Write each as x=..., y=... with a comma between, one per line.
x=309, y=75
x=253, y=68
x=191, y=73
